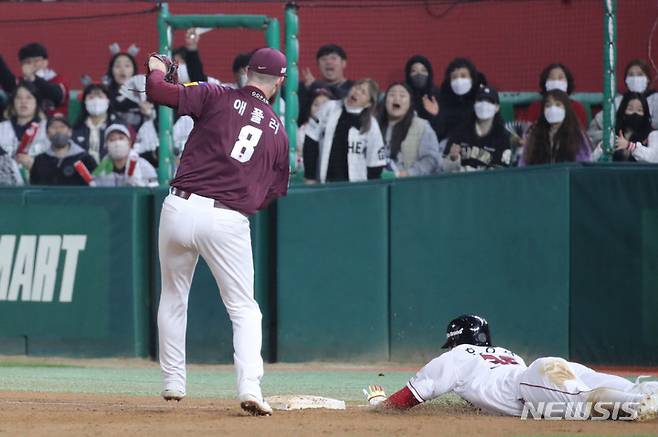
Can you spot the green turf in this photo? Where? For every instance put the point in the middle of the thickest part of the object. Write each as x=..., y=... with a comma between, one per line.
x=345, y=385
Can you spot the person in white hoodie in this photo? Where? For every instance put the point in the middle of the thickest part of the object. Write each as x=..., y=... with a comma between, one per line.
x=25, y=128
x=123, y=166
x=344, y=142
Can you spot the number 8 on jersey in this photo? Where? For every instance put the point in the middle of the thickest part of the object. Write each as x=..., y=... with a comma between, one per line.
x=246, y=144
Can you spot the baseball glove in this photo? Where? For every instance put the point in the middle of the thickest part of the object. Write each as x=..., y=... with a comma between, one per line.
x=172, y=67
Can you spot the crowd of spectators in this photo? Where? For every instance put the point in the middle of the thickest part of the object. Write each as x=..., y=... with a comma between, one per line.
x=349, y=130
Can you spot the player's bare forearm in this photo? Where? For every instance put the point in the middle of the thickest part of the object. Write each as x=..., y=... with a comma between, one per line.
x=161, y=92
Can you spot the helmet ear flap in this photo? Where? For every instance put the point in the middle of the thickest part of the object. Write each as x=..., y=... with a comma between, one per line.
x=482, y=337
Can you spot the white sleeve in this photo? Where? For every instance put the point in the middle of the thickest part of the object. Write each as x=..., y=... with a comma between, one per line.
x=376, y=152
x=439, y=376
x=652, y=100
x=147, y=138
x=182, y=129
x=648, y=153
x=315, y=127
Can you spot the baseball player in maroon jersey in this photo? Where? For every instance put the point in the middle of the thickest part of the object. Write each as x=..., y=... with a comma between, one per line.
x=235, y=162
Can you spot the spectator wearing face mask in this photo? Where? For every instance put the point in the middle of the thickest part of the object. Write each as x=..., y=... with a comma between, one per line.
x=482, y=142
x=332, y=62
x=457, y=96
x=320, y=97
x=123, y=166
x=56, y=165
x=556, y=136
x=419, y=77
x=35, y=68
x=554, y=77
x=121, y=68
x=636, y=140
x=345, y=143
x=25, y=128
x=637, y=77
x=411, y=142
x=95, y=116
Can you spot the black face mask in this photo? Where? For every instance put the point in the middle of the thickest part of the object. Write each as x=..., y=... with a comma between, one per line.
x=419, y=81
x=634, y=121
x=60, y=140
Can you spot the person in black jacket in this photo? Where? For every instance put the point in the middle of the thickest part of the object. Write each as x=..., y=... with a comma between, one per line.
x=461, y=82
x=419, y=76
x=55, y=166
x=481, y=142
x=35, y=68
x=332, y=61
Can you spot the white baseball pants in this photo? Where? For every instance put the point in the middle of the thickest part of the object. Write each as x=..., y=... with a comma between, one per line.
x=193, y=227
x=554, y=379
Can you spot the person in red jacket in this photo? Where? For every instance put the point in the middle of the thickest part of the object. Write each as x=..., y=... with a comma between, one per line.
x=554, y=76
x=35, y=69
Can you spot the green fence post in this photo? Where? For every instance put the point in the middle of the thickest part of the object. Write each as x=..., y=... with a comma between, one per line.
x=165, y=115
x=272, y=35
x=609, y=82
x=292, y=81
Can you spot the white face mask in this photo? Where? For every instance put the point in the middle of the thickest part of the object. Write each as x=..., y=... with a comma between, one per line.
x=561, y=85
x=118, y=149
x=554, y=114
x=637, y=84
x=97, y=105
x=485, y=110
x=461, y=85
x=183, y=75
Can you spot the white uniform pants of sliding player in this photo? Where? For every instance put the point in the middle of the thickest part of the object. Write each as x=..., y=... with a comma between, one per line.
x=193, y=227
x=572, y=385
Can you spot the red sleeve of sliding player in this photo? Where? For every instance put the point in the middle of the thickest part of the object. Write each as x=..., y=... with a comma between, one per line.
x=401, y=400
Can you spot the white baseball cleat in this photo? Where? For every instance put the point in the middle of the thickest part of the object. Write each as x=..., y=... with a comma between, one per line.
x=648, y=408
x=170, y=394
x=254, y=406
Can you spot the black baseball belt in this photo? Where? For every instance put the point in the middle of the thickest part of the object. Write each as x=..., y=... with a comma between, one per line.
x=185, y=195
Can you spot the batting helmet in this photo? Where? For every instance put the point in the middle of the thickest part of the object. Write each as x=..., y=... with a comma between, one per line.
x=467, y=329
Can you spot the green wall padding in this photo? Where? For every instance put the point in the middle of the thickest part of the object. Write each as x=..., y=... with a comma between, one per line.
x=614, y=265
x=494, y=244
x=107, y=312
x=332, y=284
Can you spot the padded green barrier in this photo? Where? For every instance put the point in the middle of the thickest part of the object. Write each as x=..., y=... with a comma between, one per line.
x=495, y=244
x=74, y=271
x=209, y=332
x=614, y=294
x=332, y=284
x=75, y=106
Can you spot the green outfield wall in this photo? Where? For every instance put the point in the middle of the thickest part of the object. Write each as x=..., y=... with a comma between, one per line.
x=561, y=260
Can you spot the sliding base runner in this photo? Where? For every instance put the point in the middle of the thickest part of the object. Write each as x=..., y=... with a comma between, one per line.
x=235, y=162
x=497, y=380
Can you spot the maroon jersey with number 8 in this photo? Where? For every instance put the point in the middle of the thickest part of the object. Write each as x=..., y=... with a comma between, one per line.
x=237, y=152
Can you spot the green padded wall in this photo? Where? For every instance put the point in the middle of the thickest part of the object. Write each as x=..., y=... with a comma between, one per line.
x=614, y=293
x=209, y=332
x=332, y=282
x=494, y=244
x=99, y=240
